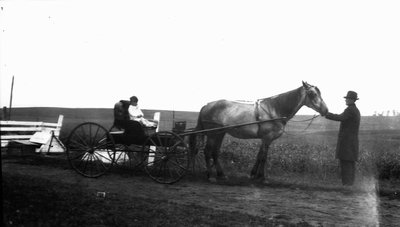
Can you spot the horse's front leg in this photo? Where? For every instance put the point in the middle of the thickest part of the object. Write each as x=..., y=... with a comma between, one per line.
x=259, y=170
x=207, y=157
x=218, y=168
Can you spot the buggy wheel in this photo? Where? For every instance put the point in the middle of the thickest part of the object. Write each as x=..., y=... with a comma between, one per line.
x=167, y=157
x=90, y=149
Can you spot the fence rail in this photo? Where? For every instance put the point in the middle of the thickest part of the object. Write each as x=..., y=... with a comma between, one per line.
x=30, y=133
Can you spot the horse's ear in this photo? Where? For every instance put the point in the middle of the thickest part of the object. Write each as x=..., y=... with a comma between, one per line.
x=305, y=85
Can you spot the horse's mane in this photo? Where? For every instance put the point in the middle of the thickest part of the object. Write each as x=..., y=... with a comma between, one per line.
x=244, y=101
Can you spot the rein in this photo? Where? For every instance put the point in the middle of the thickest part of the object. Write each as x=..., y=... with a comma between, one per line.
x=309, y=124
x=311, y=119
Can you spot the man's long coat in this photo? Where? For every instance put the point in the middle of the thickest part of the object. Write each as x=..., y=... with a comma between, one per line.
x=347, y=144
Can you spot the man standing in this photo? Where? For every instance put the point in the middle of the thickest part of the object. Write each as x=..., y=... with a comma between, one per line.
x=347, y=144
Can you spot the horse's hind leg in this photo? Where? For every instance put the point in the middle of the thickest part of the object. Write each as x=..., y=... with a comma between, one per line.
x=213, y=145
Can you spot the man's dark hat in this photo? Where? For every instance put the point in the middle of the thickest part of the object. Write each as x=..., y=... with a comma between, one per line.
x=351, y=95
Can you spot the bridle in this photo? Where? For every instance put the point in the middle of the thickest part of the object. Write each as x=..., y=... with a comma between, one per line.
x=310, y=119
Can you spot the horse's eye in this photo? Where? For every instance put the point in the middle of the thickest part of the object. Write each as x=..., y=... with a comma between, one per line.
x=311, y=95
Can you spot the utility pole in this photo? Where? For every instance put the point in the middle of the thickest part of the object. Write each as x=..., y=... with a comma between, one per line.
x=11, y=98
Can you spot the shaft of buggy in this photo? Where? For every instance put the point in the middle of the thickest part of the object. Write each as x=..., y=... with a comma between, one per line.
x=228, y=127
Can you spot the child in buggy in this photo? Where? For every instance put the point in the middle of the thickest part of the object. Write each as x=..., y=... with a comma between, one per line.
x=136, y=114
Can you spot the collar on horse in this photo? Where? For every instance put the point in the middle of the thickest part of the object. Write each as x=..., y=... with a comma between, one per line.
x=257, y=106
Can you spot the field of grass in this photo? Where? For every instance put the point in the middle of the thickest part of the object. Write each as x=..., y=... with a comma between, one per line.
x=312, y=156
x=309, y=152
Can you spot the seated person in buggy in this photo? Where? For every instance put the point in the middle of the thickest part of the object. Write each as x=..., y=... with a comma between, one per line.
x=136, y=114
x=129, y=117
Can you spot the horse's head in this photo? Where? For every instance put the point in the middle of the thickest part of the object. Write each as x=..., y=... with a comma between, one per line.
x=314, y=100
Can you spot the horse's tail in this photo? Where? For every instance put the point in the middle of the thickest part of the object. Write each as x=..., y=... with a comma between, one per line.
x=193, y=138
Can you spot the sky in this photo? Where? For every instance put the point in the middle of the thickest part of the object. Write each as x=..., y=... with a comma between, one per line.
x=180, y=55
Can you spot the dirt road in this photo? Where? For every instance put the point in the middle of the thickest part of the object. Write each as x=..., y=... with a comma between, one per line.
x=314, y=206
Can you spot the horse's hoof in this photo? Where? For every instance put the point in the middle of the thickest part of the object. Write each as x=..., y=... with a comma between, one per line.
x=256, y=178
x=253, y=177
x=260, y=180
x=265, y=181
x=222, y=178
x=212, y=180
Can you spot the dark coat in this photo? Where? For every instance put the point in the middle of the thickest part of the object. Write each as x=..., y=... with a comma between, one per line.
x=121, y=110
x=347, y=144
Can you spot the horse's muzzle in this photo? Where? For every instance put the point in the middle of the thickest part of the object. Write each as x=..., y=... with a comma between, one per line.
x=324, y=112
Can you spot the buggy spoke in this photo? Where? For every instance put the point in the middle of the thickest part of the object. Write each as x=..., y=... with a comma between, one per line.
x=86, y=161
x=80, y=145
x=102, y=137
x=83, y=134
x=79, y=155
x=169, y=170
x=103, y=145
x=95, y=135
x=176, y=145
x=160, y=168
x=155, y=162
x=152, y=142
x=178, y=165
x=119, y=156
x=90, y=135
x=158, y=140
x=101, y=155
x=161, y=144
x=79, y=138
x=90, y=164
x=101, y=162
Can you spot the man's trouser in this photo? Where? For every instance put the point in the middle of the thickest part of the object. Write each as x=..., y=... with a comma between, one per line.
x=347, y=171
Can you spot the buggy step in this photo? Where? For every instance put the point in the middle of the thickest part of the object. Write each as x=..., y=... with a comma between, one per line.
x=117, y=132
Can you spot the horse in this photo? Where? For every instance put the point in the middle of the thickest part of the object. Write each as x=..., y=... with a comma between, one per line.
x=273, y=113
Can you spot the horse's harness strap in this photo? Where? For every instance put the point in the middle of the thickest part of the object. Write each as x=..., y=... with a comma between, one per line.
x=257, y=114
x=256, y=110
